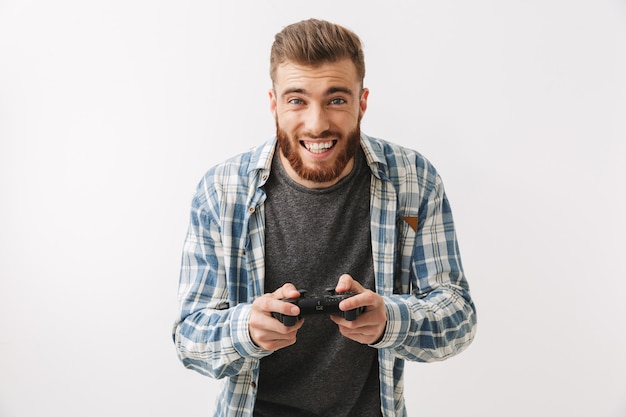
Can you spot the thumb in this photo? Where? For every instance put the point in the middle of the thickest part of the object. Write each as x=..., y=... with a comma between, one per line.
x=348, y=284
x=288, y=290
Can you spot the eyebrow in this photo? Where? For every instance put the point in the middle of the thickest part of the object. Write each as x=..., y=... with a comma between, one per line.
x=329, y=92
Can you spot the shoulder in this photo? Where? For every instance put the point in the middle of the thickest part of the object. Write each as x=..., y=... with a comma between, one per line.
x=236, y=175
x=240, y=169
x=397, y=163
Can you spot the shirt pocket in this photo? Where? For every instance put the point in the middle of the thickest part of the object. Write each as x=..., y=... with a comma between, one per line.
x=407, y=227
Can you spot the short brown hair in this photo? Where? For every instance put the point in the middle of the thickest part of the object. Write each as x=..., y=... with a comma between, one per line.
x=314, y=42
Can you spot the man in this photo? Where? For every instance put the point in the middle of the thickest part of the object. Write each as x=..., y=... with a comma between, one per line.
x=321, y=205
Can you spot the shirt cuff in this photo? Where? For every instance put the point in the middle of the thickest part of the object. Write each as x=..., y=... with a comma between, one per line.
x=242, y=342
x=398, y=323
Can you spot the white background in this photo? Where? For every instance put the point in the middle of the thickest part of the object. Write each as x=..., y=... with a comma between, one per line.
x=110, y=112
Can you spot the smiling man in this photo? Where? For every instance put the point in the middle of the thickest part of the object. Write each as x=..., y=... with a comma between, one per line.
x=320, y=206
x=317, y=112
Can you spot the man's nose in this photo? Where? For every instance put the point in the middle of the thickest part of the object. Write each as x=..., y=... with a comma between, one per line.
x=317, y=121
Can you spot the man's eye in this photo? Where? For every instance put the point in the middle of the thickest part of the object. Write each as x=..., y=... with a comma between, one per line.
x=337, y=101
x=295, y=101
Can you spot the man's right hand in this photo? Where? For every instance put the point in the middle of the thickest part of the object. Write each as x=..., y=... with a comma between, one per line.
x=265, y=330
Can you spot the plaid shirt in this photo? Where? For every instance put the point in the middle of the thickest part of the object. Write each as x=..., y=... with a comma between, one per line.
x=430, y=314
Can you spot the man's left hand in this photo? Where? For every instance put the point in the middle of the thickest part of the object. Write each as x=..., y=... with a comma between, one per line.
x=370, y=325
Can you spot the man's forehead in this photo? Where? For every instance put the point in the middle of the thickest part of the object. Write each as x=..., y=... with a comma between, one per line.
x=328, y=77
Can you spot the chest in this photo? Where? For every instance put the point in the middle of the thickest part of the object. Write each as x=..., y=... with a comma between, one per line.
x=311, y=238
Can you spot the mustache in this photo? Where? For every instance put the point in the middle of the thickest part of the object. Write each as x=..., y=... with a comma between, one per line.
x=327, y=134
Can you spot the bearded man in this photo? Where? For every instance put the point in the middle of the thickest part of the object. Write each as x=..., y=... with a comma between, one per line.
x=320, y=206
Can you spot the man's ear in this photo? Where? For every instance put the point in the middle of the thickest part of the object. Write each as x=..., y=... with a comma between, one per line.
x=272, y=96
x=363, y=101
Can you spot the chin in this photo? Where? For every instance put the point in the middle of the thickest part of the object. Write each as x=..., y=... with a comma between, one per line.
x=319, y=171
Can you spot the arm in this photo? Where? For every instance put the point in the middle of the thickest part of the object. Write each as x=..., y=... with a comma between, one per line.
x=216, y=333
x=210, y=334
x=438, y=319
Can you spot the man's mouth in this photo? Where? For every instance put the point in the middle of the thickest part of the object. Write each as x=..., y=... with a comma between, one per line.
x=318, y=147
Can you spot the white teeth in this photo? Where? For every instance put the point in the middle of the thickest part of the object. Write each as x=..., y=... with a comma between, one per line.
x=318, y=147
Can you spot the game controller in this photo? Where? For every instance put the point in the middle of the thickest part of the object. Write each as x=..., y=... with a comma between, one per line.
x=324, y=304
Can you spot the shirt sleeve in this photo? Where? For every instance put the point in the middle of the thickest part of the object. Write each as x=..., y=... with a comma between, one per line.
x=437, y=319
x=210, y=335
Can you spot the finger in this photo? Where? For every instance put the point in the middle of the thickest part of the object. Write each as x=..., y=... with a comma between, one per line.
x=274, y=340
x=366, y=334
x=269, y=304
x=288, y=290
x=284, y=308
x=364, y=298
x=360, y=323
x=361, y=335
x=348, y=284
x=270, y=334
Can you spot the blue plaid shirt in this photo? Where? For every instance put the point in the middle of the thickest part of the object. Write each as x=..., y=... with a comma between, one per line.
x=417, y=267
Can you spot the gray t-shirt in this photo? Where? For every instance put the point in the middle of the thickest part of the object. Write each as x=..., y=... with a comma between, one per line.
x=313, y=237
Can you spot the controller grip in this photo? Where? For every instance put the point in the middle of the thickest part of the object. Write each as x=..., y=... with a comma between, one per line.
x=286, y=320
x=351, y=315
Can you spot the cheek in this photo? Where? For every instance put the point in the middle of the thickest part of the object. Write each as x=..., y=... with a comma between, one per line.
x=346, y=122
x=287, y=122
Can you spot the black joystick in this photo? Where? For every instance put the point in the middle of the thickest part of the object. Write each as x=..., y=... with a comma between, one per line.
x=324, y=304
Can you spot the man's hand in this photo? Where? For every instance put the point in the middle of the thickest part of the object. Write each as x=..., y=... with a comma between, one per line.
x=265, y=330
x=369, y=327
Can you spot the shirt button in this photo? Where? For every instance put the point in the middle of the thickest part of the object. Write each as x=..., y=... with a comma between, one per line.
x=251, y=210
x=253, y=384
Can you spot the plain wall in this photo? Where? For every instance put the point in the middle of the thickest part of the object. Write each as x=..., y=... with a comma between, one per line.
x=110, y=112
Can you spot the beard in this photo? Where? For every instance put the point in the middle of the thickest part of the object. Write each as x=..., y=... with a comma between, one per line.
x=322, y=171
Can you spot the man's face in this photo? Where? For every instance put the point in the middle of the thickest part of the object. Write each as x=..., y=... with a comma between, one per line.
x=318, y=111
